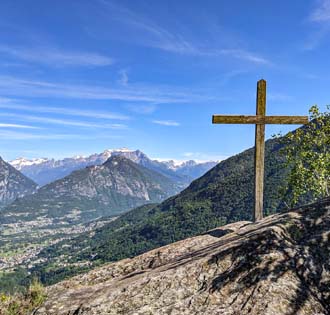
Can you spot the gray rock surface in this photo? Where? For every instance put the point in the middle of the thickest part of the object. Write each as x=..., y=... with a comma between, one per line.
x=280, y=265
x=13, y=184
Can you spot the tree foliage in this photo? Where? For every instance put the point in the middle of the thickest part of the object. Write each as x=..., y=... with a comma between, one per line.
x=308, y=157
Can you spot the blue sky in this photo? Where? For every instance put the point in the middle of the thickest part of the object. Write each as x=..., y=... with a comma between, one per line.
x=78, y=77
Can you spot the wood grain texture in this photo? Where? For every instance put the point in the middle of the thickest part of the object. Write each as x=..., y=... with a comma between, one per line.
x=268, y=120
x=260, y=152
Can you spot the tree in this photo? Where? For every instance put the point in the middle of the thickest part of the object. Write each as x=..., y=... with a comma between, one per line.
x=307, y=152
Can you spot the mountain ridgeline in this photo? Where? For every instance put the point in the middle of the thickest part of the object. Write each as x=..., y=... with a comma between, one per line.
x=44, y=171
x=103, y=190
x=13, y=184
x=221, y=196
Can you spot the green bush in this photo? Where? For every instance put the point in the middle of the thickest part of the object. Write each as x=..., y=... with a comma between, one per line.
x=23, y=303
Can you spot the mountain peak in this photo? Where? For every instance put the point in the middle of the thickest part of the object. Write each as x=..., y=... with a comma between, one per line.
x=115, y=159
x=21, y=162
x=109, y=151
x=44, y=171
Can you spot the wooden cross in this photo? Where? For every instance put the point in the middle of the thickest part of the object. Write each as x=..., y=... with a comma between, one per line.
x=260, y=120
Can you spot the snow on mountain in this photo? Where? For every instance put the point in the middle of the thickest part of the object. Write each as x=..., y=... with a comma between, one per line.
x=19, y=163
x=44, y=170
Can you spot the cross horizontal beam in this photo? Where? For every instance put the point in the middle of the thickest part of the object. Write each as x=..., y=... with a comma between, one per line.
x=259, y=120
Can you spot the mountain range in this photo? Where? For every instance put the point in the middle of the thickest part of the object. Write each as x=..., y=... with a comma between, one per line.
x=95, y=191
x=222, y=196
x=225, y=194
x=44, y=170
x=33, y=217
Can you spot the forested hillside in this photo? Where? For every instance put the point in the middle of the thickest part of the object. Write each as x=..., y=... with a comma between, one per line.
x=222, y=196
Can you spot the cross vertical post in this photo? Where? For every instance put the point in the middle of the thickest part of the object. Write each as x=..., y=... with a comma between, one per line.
x=260, y=120
x=259, y=152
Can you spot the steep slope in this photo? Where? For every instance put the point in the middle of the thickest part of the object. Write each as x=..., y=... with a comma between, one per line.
x=13, y=184
x=44, y=171
x=221, y=196
x=279, y=265
x=109, y=189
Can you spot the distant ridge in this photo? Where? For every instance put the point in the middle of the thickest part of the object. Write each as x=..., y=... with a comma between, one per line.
x=102, y=190
x=223, y=195
x=44, y=170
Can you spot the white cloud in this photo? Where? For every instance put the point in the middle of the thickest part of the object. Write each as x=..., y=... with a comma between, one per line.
x=320, y=17
x=141, y=108
x=5, y=100
x=65, y=122
x=322, y=12
x=65, y=111
x=170, y=123
x=137, y=93
x=244, y=55
x=56, y=57
x=17, y=126
x=12, y=135
x=123, y=77
x=175, y=42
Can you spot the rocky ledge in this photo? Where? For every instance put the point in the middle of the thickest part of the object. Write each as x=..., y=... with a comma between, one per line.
x=280, y=265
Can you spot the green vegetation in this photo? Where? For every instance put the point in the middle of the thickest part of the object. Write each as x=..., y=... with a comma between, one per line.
x=22, y=303
x=223, y=195
x=15, y=281
x=308, y=156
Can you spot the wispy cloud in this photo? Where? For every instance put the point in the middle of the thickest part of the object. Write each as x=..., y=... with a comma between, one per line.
x=170, y=123
x=13, y=135
x=132, y=93
x=5, y=100
x=321, y=13
x=65, y=111
x=244, y=55
x=142, y=108
x=17, y=126
x=62, y=122
x=176, y=42
x=123, y=77
x=320, y=18
x=56, y=57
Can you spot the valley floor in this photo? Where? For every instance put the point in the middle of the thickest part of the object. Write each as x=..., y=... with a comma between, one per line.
x=21, y=242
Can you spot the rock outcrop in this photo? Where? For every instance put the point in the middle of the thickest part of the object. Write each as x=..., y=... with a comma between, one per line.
x=280, y=265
